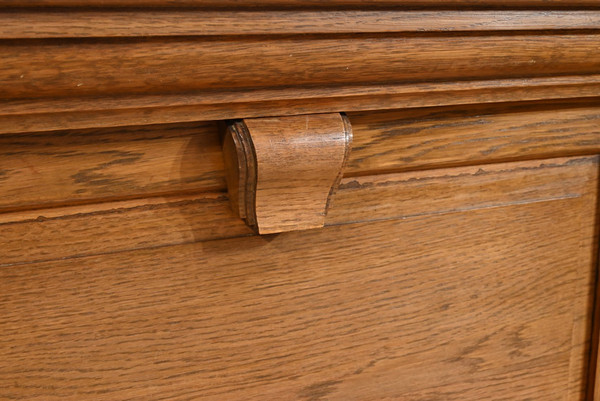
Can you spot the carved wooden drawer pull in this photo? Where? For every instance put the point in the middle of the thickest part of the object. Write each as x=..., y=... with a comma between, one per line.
x=282, y=171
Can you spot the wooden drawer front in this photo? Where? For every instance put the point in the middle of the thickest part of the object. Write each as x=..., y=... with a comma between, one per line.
x=478, y=301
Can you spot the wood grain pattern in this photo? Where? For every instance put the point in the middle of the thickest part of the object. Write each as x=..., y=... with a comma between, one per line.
x=389, y=196
x=83, y=166
x=426, y=138
x=30, y=115
x=469, y=306
x=79, y=69
x=104, y=64
x=286, y=169
x=110, y=227
x=73, y=167
x=58, y=233
x=542, y=4
x=70, y=24
x=451, y=266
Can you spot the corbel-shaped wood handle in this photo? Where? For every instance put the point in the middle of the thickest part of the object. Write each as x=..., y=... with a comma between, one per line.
x=283, y=171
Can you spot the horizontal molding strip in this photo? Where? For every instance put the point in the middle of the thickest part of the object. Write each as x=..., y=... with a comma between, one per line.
x=543, y=4
x=436, y=137
x=105, y=68
x=123, y=23
x=91, y=166
x=77, y=231
x=53, y=169
x=33, y=115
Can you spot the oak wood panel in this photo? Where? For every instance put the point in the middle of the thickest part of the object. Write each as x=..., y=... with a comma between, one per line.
x=381, y=197
x=67, y=24
x=69, y=167
x=82, y=166
x=434, y=137
x=51, y=234
x=543, y=4
x=30, y=115
x=468, y=306
x=167, y=66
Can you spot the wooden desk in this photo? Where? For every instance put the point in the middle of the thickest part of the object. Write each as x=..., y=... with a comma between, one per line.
x=454, y=257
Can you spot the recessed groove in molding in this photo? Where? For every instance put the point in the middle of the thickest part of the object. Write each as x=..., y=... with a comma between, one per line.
x=123, y=23
x=30, y=115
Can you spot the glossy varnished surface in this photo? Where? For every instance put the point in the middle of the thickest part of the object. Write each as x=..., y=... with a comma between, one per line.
x=288, y=169
x=124, y=23
x=103, y=68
